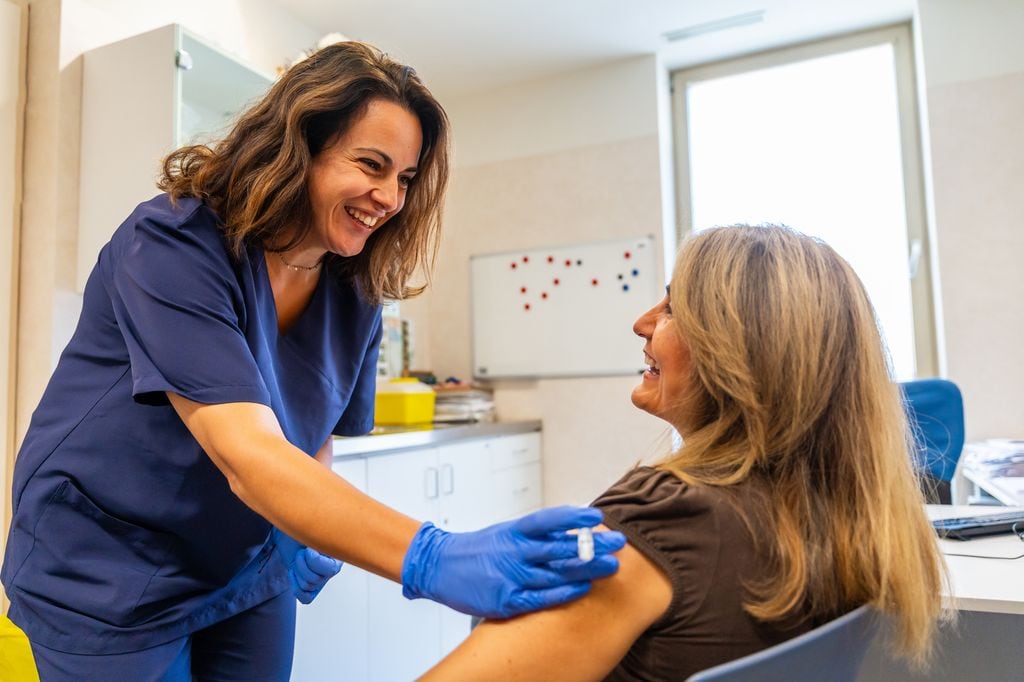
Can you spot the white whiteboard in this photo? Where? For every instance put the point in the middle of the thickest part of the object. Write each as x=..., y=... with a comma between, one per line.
x=563, y=311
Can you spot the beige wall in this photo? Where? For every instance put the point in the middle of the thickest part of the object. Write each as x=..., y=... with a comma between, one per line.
x=973, y=66
x=13, y=24
x=258, y=31
x=565, y=160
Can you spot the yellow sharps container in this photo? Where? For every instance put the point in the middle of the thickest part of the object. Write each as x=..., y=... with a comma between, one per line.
x=403, y=401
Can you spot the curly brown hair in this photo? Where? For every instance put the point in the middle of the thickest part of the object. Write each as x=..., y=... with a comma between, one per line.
x=255, y=178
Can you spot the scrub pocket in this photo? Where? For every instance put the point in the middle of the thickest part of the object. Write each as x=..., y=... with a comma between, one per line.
x=89, y=561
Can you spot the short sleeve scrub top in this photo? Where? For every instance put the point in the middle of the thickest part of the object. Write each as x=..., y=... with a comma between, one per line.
x=125, y=535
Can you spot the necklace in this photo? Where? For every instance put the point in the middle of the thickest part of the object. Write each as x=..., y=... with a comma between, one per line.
x=300, y=268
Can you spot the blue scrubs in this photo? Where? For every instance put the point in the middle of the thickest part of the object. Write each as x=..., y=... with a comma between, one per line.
x=125, y=535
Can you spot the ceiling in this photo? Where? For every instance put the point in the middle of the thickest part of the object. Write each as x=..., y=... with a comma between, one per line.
x=470, y=46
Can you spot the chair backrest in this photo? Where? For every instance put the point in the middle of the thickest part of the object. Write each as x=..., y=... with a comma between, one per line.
x=833, y=651
x=935, y=410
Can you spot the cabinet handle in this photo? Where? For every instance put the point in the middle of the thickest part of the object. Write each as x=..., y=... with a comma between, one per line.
x=447, y=479
x=430, y=482
x=183, y=60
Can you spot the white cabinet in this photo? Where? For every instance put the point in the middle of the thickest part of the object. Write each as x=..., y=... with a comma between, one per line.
x=459, y=486
x=143, y=97
x=331, y=633
x=404, y=636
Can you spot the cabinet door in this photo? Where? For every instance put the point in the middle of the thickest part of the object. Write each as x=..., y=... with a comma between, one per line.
x=331, y=635
x=466, y=503
x=515, y=461
x=128, y=119
x=405, y=637
x=466, y=490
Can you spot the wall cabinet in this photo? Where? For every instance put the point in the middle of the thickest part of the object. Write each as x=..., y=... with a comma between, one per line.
x=379, y=635
x=142, y=97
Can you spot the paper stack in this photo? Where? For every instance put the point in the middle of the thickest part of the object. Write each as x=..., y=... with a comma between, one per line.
x=463, y=403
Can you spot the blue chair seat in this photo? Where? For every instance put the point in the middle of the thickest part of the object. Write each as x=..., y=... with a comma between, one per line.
x=833, y=651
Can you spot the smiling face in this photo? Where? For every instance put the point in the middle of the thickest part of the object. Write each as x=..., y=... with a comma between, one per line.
x=360, y=181
x=666, y=382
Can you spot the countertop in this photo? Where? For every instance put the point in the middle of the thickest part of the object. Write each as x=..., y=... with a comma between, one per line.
x=391, y=438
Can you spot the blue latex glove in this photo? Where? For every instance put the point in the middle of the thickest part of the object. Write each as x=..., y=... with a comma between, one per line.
x=510, y=568
x=308, y=569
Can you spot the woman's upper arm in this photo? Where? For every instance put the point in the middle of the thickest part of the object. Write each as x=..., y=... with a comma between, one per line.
x=227, y=432
x=582, y=640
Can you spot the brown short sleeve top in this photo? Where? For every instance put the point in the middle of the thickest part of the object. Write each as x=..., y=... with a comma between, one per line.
x=696, y=536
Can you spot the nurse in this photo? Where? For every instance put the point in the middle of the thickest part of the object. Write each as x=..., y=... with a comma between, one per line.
x=175, y=478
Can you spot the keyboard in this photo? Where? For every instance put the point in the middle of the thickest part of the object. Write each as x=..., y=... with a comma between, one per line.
x=972, y=526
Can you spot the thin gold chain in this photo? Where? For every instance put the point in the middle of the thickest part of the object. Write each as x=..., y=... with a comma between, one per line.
x=300, y=268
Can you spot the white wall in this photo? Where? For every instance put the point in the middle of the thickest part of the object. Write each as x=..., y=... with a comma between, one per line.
x=564, y=160
x=973, y=68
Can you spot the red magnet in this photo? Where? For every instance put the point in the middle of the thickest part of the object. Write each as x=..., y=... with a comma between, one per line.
x=551, y=259
x=526, y=259
x=526, y=306
x=522, y=290
x=544, y=295
x=568, y=263
x=593, y=282
x=627, y=255
x=556, y=281
x=514, y=265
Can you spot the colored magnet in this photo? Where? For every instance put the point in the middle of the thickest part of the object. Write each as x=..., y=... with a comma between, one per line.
x=544, y=295
x=627, y=255
x=514, y=265
x=522, y=290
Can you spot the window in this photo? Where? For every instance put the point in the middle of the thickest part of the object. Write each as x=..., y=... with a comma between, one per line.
x=822, y=138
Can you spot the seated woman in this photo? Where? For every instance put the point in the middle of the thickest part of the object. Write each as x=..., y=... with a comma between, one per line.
x=791, y=501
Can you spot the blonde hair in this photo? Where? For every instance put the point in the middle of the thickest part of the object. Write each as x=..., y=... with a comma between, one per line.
x=255, y=178
x=790, y=387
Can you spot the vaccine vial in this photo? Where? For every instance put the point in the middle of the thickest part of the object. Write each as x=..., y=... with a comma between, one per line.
x=585, y=544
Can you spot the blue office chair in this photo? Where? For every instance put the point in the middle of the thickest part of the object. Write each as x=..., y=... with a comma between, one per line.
x=935, y=412
x=833, y=651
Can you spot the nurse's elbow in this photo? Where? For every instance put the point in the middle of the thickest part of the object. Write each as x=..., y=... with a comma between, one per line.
x=235, y=481
x=238, y=488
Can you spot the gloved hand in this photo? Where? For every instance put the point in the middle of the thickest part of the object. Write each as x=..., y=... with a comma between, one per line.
x=510, y=568
x=308, y=569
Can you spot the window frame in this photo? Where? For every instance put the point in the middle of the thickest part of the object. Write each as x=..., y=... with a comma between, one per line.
x=926, y=353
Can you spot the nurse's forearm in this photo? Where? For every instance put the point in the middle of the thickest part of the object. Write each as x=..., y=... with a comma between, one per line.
x=294, y=491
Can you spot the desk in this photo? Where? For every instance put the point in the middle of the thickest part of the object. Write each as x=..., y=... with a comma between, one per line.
x=985, y=642
x=983, y=584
